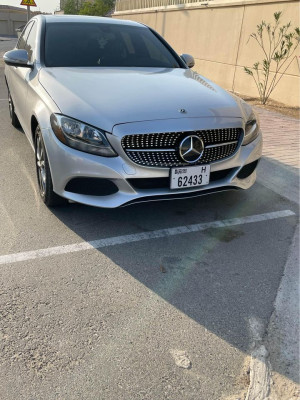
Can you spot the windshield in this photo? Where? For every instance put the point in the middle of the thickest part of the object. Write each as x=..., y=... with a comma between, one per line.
x=104, y=45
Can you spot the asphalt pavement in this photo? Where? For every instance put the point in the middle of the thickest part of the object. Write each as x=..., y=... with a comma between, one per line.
x=171, y=317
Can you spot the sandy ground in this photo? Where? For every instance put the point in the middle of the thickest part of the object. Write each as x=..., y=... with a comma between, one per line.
x=273, y=105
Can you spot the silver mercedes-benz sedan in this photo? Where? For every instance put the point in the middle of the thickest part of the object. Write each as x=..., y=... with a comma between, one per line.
x=115, y=116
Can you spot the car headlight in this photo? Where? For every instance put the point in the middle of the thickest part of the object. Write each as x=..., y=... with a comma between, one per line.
x=251, y=129
x=81, y=136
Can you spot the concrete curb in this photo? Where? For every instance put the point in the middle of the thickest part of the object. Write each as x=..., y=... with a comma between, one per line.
x=283, y=330
x=259, y=387
x=282, y=339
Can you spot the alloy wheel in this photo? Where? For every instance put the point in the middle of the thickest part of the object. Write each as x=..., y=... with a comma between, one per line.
x=40, y=162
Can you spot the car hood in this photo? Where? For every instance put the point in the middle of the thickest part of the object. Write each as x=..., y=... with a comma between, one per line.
x=105, y=97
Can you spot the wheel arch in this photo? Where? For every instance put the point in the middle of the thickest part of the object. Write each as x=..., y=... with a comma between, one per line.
x=33, y=125
x=40, y=116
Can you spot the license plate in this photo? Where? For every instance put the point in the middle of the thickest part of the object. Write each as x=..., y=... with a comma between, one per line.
x=187, y=177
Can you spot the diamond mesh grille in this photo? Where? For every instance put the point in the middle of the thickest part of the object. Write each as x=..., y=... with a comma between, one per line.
x=162, y=149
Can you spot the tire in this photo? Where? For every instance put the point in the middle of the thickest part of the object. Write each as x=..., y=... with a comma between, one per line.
x=49, y=197
x=13, y=116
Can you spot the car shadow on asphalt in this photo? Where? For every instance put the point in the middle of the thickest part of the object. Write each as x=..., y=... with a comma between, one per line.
x=221, y=278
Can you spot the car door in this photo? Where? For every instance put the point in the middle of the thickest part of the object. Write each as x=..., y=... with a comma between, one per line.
x=29, y=77
x=19, y=76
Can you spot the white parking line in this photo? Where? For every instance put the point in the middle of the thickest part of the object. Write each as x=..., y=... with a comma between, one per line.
x=136, y=237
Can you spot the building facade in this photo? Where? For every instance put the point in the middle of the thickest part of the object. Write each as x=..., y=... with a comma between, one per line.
x=11, y=18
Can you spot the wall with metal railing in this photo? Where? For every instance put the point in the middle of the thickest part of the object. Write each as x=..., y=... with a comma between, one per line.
x=216, y=33
x=123, y=5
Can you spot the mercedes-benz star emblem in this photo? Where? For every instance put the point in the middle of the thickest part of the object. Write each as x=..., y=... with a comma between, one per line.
x=191, y=149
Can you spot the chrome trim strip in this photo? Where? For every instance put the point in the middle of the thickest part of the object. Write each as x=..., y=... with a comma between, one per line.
x=163, y=150
x=220, y=144
x=152, y=150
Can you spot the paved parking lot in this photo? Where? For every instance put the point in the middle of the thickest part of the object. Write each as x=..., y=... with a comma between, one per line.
x=281, y=137
x=120, y=318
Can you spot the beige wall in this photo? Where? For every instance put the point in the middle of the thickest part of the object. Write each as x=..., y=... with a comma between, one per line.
x=217, y=35
x=11, y=20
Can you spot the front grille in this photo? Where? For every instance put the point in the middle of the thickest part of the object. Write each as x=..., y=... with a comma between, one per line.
x=162, y=149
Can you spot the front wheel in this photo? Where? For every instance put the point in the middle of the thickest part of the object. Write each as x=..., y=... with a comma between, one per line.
x=49, y=197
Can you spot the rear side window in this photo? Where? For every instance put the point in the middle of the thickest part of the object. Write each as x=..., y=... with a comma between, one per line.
x=30, y=42
x=22, y=41
x=104, y=45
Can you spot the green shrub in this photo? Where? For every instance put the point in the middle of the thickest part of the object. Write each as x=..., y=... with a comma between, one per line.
x=278, y=43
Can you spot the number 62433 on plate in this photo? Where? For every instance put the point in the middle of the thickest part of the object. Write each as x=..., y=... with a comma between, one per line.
x=186, y=177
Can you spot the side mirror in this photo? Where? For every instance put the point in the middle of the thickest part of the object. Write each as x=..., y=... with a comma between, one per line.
x=17, y=58
x=189, y=60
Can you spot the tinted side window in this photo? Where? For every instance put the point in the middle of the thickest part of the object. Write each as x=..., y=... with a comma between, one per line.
x=30, y=42
x=22, y=41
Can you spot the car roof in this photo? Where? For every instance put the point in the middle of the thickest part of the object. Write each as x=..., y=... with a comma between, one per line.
x=84, y=18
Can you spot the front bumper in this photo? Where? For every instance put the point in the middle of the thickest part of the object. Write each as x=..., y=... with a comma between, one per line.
x=67, y=163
